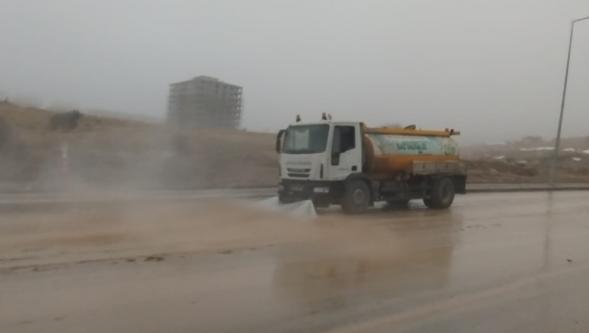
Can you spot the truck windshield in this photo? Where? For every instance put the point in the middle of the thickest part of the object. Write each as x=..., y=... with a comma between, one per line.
x=309, y=139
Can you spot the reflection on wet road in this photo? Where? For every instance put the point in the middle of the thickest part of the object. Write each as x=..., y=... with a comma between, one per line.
x=493, y=263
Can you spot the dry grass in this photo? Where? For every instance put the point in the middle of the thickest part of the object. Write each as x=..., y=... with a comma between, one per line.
x=122, y=153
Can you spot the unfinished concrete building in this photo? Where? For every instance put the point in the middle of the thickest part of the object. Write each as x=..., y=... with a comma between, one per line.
x=205, y=102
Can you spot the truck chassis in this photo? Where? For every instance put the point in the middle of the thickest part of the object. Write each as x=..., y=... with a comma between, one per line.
x=435, y=183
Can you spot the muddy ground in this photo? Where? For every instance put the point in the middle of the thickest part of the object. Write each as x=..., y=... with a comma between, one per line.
x=513, y=262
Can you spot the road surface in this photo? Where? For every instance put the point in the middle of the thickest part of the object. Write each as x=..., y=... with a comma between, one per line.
x=502, y=262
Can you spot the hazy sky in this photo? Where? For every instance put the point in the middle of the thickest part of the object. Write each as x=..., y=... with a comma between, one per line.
x=493, y=69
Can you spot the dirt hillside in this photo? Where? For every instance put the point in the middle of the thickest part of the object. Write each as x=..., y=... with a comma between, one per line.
x=104, y=152
x=108, y=152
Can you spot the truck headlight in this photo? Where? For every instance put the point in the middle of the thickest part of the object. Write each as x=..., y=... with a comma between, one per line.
x=321, y=190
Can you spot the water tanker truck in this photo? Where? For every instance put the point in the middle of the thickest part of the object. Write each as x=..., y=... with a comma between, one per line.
x=349, y=164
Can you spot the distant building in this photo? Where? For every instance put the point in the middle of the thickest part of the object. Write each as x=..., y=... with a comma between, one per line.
x=205, y=102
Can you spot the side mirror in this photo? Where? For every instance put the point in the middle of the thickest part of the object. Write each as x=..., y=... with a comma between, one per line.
x=279, y=141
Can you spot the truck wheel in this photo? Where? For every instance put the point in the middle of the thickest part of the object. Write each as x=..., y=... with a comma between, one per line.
x=356, y=197
x=442, y=194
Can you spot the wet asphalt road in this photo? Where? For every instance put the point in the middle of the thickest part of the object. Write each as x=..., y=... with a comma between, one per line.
x=503, y=262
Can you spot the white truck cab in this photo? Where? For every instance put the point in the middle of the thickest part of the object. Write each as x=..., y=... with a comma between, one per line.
x=324, y=151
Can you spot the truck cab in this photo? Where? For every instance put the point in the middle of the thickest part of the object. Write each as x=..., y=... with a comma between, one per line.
x=317, y=158
x=321, y=151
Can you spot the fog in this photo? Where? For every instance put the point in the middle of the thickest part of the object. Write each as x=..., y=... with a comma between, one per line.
x=493, y=69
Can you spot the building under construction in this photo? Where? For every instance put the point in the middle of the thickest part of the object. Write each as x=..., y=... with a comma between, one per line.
x=205, y=102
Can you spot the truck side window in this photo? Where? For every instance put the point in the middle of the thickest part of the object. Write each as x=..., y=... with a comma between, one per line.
x=344, y=138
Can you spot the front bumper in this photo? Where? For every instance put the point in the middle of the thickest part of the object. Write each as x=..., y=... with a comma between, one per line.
x=318, y=191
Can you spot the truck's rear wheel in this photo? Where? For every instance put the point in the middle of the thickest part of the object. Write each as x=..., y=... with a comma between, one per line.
x=441, y=194
x=356, y=197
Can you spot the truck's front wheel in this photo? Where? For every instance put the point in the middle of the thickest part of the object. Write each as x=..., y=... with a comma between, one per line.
x=356, y=197
x=441, y=194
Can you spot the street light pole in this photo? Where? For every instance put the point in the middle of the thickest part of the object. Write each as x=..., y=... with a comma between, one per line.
x=554, y=166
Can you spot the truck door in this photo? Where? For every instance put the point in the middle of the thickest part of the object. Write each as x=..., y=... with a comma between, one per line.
x=346, y=152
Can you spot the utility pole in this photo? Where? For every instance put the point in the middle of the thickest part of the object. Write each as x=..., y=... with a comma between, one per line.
x=554, y=165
